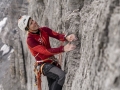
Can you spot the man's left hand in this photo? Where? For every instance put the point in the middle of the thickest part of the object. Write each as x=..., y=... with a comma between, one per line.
x=71, y=37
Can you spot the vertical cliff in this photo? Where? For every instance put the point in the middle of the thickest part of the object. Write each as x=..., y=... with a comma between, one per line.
x=12, y=64
x=93, y=65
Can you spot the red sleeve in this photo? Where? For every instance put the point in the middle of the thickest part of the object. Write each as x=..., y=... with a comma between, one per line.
x=54, y=34
x=42, y=49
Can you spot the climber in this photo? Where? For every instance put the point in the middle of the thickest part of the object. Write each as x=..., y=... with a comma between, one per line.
x=39, y=45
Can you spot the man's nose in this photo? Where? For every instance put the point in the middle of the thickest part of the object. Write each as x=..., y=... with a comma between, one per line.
x=34, y=22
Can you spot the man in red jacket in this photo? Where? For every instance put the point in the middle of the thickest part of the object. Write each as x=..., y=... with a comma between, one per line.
x=39, y=45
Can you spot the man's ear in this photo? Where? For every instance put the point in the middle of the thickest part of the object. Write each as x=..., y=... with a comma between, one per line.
x=26, y=29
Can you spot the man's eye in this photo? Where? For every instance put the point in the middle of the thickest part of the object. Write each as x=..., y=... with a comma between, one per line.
x=31, y=21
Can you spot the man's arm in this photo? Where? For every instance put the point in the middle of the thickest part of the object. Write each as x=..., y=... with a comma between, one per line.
x=54, y=34
x=42, y=49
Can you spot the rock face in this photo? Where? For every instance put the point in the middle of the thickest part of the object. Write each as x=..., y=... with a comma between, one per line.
x=12, y=66
x=93, y=65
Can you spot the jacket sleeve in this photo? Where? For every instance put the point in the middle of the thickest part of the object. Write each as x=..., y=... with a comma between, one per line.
x=34, y=45
x=54, y=34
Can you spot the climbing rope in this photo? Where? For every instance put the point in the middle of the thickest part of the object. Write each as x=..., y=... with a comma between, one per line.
x=60, y=55
x=38, y=73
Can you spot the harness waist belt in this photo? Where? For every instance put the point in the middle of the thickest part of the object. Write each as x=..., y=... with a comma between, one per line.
x=45, y=60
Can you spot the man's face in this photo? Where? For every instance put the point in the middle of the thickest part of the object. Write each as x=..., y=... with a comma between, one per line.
x=33, y=26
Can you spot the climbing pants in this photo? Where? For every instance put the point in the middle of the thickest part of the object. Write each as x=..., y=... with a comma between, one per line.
x=55, y=76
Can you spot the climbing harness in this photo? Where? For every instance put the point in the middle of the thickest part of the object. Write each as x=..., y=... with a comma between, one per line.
x=39, y=67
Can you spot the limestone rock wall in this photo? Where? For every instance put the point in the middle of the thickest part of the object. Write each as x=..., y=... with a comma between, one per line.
x=93, y=65
x=12, y=65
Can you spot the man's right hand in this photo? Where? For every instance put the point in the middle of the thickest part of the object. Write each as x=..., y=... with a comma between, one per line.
x=69, y=47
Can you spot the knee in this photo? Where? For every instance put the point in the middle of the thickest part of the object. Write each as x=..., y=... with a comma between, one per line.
x=62, y=76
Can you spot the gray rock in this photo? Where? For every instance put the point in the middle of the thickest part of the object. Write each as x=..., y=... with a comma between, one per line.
x=93, y=65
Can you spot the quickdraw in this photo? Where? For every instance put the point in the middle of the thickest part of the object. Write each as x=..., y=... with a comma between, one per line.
x=38, y=72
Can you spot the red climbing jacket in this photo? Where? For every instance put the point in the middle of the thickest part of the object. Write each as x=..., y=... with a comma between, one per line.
x=39, y=44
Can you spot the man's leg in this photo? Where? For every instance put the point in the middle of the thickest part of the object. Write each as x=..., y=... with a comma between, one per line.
x=56, y=74
x=50, y=82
